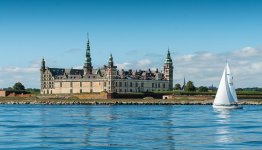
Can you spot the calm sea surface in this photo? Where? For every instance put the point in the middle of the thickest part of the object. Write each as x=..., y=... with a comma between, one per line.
x=129, y=127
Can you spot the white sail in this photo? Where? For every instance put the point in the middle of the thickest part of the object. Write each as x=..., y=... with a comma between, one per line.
x=230, y=82
x=225, y=93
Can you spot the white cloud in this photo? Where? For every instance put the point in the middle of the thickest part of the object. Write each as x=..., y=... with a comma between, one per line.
x=125, y=65
x=247, y=52
x=19, y=70
x=143, y=62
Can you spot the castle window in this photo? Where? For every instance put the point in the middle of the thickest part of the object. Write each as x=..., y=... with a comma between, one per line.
x=71, y=84
x=164, y=86
x=131, y=84
x=125, y=84
x=80, y=91
x=136, y=84
x=120, y=84
x=120, y=90
x=60, y=84
x=158, y=85
x=81, y=84
x=152, y=85
x=142, y=84
x=130, y=90
x=116, y=83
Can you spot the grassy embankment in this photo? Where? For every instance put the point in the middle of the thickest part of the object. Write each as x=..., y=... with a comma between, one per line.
x=180, y=98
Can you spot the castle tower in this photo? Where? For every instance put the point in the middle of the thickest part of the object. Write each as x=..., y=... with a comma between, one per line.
x=88, y=64
x=42, y=71
x=42, y=66
x=111, y=73
x=168, y=70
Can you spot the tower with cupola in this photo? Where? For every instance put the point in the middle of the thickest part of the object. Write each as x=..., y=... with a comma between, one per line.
x=168, y=70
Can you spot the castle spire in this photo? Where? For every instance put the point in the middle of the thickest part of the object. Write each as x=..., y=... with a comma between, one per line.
x=168, y=57
x=88, y=64
x=110, y=61
x=43, y=65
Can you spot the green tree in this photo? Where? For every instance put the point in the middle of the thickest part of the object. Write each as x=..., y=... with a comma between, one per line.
x=203, y=89
x=19, y=87
x=177, y=86
x=190, y=87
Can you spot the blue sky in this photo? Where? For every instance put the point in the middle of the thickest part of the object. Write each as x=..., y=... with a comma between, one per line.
x=137, y=33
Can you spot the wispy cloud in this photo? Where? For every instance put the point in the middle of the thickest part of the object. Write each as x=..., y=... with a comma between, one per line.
x=125, y=65
x=247, y=52
x=29, y=75
x=143, y=62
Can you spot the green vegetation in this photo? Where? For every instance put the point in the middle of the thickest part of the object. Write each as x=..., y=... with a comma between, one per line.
x=177, y=86
x=33, y=91
x=203, y=89
x=254, y=89
x=190, y=87
x=19, y=87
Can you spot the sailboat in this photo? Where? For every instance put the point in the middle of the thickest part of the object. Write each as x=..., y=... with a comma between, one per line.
x=226, y=94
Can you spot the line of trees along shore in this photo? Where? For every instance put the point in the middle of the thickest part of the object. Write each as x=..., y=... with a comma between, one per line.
x=190, y=87
x=19, y=87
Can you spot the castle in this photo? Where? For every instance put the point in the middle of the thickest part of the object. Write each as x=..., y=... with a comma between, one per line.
x=106, y=79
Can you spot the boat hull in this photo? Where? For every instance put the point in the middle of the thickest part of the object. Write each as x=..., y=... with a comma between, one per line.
x=227, y=106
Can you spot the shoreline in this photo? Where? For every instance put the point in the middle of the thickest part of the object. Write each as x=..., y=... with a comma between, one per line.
x=119, y=101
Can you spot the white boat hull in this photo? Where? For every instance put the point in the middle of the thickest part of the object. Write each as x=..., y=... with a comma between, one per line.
x=227, y=106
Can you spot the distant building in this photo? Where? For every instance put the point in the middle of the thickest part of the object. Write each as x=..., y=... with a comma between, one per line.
x=3, y=93
x=107, y=78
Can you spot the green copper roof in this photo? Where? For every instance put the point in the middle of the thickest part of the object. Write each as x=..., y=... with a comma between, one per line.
x=168, y=57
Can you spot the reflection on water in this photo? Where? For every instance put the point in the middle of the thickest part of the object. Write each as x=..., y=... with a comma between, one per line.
x=223, y=130
x=128, y=127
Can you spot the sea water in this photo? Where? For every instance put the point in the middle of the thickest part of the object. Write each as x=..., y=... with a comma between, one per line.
x=129, y=127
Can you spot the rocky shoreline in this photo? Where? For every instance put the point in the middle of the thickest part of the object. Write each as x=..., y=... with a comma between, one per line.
x=119, y=102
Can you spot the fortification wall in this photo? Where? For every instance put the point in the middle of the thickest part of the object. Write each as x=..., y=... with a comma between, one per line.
x=102, y=95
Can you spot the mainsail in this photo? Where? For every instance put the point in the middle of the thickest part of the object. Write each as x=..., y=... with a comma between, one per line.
x=226, y=93
x=230, y=82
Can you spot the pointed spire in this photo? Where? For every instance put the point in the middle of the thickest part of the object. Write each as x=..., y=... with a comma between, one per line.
x=88, y=51
x=88, y=63
x=43, y=65
x=168, y=57
x=110, y=61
